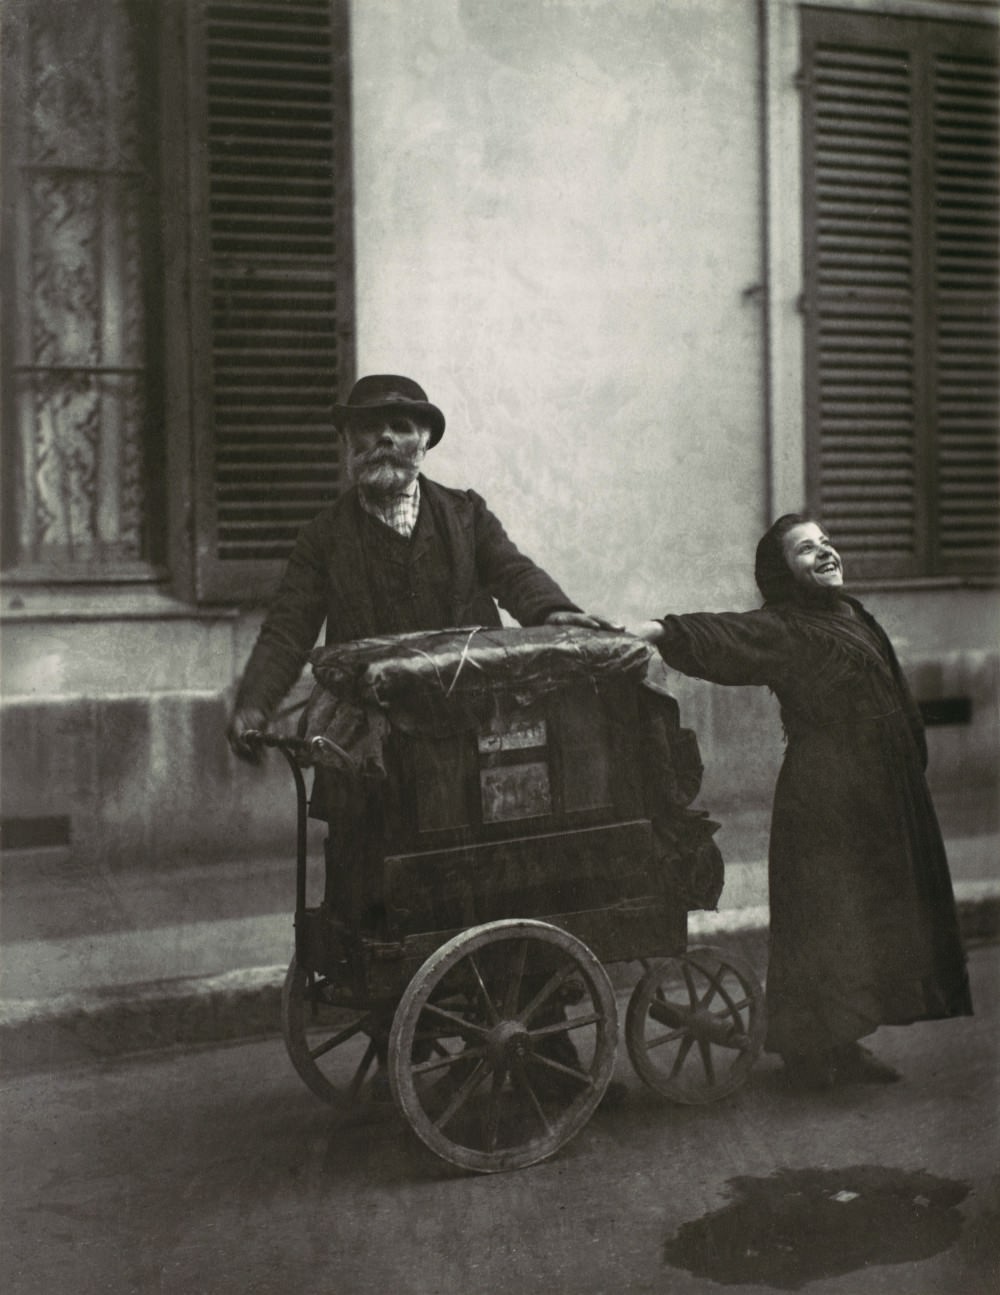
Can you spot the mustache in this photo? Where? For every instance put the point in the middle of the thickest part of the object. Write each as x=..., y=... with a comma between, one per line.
x=396, y=458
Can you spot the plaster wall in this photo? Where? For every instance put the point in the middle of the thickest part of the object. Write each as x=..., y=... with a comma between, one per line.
x=557, y=233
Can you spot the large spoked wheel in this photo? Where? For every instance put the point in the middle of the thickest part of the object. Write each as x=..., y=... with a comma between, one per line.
x=695, y=1025
x=333, y=1048
x=503, y=1044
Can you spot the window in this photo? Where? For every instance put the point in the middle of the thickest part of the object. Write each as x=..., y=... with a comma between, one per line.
x=901, y=277
x=183, y=300
x=81, y=498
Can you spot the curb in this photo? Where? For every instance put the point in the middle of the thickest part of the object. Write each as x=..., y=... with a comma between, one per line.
x=37, y=1034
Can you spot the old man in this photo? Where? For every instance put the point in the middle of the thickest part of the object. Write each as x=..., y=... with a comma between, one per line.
x=395, y=553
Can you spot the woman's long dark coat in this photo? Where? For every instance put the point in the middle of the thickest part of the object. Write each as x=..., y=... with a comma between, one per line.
x=863, y=924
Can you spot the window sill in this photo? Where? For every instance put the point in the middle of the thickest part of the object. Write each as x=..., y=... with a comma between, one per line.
x=97, y=602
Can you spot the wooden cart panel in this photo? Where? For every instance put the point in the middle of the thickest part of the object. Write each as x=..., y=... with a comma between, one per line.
x=555, y=873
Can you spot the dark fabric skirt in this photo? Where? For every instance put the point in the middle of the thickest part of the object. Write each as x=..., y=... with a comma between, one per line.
x=864, y=930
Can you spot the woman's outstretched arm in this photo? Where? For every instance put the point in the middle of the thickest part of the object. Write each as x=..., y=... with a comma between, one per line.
x=753, y=647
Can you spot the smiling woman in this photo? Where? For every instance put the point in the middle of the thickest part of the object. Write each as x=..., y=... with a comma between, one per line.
x=813, y=560
x=863, y=924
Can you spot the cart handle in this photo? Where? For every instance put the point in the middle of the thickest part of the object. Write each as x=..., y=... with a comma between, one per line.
x=305, y=752
x=300, y=753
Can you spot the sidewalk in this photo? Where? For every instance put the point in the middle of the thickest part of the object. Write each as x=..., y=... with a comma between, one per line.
x=194, y=954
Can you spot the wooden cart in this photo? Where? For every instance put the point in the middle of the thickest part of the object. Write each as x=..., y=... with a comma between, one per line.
x=508, y=815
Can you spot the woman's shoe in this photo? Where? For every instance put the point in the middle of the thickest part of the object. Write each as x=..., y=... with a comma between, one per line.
x=853, y=1064
x=808, y=1071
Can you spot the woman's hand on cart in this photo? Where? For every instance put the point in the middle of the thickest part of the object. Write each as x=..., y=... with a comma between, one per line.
x=651, y=631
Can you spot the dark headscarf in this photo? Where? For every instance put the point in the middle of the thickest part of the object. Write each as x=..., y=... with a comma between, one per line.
x=772, y=572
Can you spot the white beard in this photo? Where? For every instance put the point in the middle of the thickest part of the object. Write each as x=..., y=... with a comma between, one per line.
x=381, y=478
x=384, y=478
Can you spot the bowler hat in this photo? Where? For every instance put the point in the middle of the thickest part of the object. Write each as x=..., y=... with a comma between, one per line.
x=389, y=393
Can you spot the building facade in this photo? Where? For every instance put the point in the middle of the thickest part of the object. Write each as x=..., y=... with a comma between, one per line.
x=670, y=267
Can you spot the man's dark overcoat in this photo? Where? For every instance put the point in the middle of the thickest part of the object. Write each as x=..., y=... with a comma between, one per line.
x=863, y=924
x=349, y=570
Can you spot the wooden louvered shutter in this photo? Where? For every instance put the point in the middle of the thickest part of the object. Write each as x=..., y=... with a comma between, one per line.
x=271, y=279
x=964, y=308
x=900, y=223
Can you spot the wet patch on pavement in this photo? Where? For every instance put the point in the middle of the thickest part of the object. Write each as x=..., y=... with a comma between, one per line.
x=799, y=1225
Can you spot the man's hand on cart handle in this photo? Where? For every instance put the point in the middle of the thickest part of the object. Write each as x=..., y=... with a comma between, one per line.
x=249, y=742
x=582, y=620
x=247, y=723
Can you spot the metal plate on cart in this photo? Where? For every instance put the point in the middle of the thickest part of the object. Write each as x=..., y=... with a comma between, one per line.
x=518, y=735
x=515, y=791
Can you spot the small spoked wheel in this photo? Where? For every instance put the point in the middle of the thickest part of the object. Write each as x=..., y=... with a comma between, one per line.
x=333, y=1048
x=695, y=1025
x=503, y=1044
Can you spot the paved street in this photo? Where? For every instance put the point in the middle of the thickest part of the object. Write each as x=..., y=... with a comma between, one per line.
x=215, y=1172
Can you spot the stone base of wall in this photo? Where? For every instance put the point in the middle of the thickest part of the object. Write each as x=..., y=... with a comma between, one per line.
x=141, y=780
